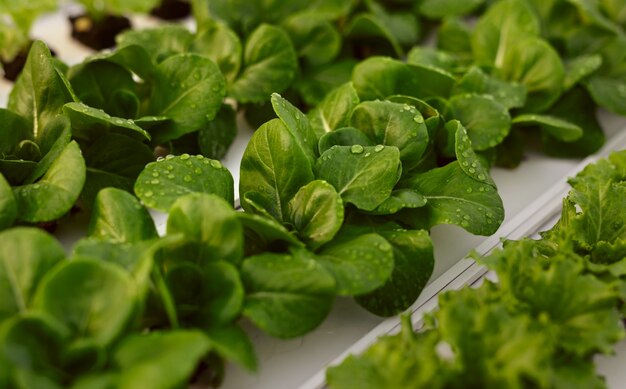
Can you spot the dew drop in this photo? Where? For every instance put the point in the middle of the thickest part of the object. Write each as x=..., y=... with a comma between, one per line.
x=197, y=170
x=184, y=156
x=379, y=148
x=216, y=164
x=155, y=181
x=155, y=174
x=148, y=193
x=171, y=176
x=187, y=178
x=169, y=157
x=356, y=149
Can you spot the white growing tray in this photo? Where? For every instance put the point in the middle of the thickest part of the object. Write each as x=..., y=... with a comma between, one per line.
x=532, y=197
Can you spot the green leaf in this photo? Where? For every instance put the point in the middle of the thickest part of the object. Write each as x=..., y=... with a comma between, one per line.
x=346, y=136
x=557, y=128
x=133, y=57
x=263, y=233
x=579, y=68
x=381, y=77
x=454, y=197
x=486, y=120
x=161, y=42
x=413, y=263
x=334, y=111
x=569, y=109
x=270, y=64
x=316, y=83
x=393, y=124
x=8, y=205
x=221, y=45
x=39, y=93
x=207, y=294
x=360, y=264
x=608, y=92
x=363, y=176
x=94, y=299
x=233, y=344
x=113, y=160
x=56, y=192
x=100, y=85
x=13, y=129
x=55, y=138
x=274, y=166
x=316, y=213
x=88, y=123
x=500, y=28
x=119, y=217
x=316, y=40
x=189, y=90
x=210, y=223
x=287, y=296
x=400, y=199
x=475, y=81
x=26, y=255
x=215, y=139
x=437, y=9
x=298, y=125
x=142, y=362
x=162, y=182
x=33, y=343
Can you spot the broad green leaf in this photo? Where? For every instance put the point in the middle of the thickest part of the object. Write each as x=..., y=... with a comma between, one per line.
x=88, y=123
x=534, y=63
x=210, y=223
x=55, y=138
x=207, y=294
x=161, y=42
x=427, y=56
x=162, y=182
x=113, y=160
x=359, y=265
x=189, y=90
x=475, y=81
x=264, y=233
x=369, y=27
x=119, y=217
x=608, y=92
x=363, y=176
x=287, y=295
x=130, y=256
x=133, y=57
x=26, y=255
x=270, y=64
x=454, y=36
x=346, y=136
x=413, y=264
x=579, y=68
x=316, y=213
x=220, y=44
x=217, y=136
x=438, y=9
x=298, y=125
x=56, y=192
x=233, y=344
x=334, y=111
x=142, y=362
x=94, y=299
x=486, y=120
x=33, y=343
x=102, y=85
x=13, y=130
x=316, y=83
x=400, y=199
x=500, y=28
x=315, y=39
x=454, y=197
x=558, y=128
x=39, y=94
x=275, y=166
x=381, y=77
x=8, y=205
x=393, y=124
x=576, y=106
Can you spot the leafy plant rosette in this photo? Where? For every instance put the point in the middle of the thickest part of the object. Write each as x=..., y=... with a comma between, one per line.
x=42, y=170
x=556, y=304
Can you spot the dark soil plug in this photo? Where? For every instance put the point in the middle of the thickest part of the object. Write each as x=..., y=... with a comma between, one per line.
x=172, y=10
x=98, y=34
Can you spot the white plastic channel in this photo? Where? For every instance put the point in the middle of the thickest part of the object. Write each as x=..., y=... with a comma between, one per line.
x=466, y=271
